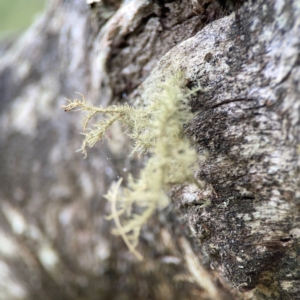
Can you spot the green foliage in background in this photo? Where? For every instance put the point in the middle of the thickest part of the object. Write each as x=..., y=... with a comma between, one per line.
x=17, y=15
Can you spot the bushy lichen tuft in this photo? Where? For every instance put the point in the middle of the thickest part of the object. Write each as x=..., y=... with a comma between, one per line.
x=157, y=129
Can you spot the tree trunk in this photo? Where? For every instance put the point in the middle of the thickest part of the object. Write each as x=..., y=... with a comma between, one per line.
x=237, y=238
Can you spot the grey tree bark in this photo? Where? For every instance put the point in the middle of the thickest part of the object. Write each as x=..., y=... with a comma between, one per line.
x=238, y=238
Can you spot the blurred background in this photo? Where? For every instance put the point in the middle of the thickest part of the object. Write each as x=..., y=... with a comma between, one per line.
x=17, y=15
x=55, y=242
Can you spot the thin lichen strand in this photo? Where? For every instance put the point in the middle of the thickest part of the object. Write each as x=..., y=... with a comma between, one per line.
x=135, y=119
x=157, y=129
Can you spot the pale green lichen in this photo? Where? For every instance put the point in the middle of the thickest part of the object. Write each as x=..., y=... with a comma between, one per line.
x=158, y=130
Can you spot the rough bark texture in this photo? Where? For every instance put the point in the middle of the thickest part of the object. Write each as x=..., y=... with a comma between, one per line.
x=239, y=237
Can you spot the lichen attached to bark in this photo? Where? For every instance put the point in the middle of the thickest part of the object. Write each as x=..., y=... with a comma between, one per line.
x=158, y=130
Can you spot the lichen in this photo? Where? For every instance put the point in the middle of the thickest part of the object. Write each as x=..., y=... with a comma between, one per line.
x=158, y=130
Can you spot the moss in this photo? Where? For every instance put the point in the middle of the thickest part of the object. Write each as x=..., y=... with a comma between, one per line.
x=158, y=130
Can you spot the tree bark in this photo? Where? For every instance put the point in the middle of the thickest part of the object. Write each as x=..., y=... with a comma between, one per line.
x=238, y=238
